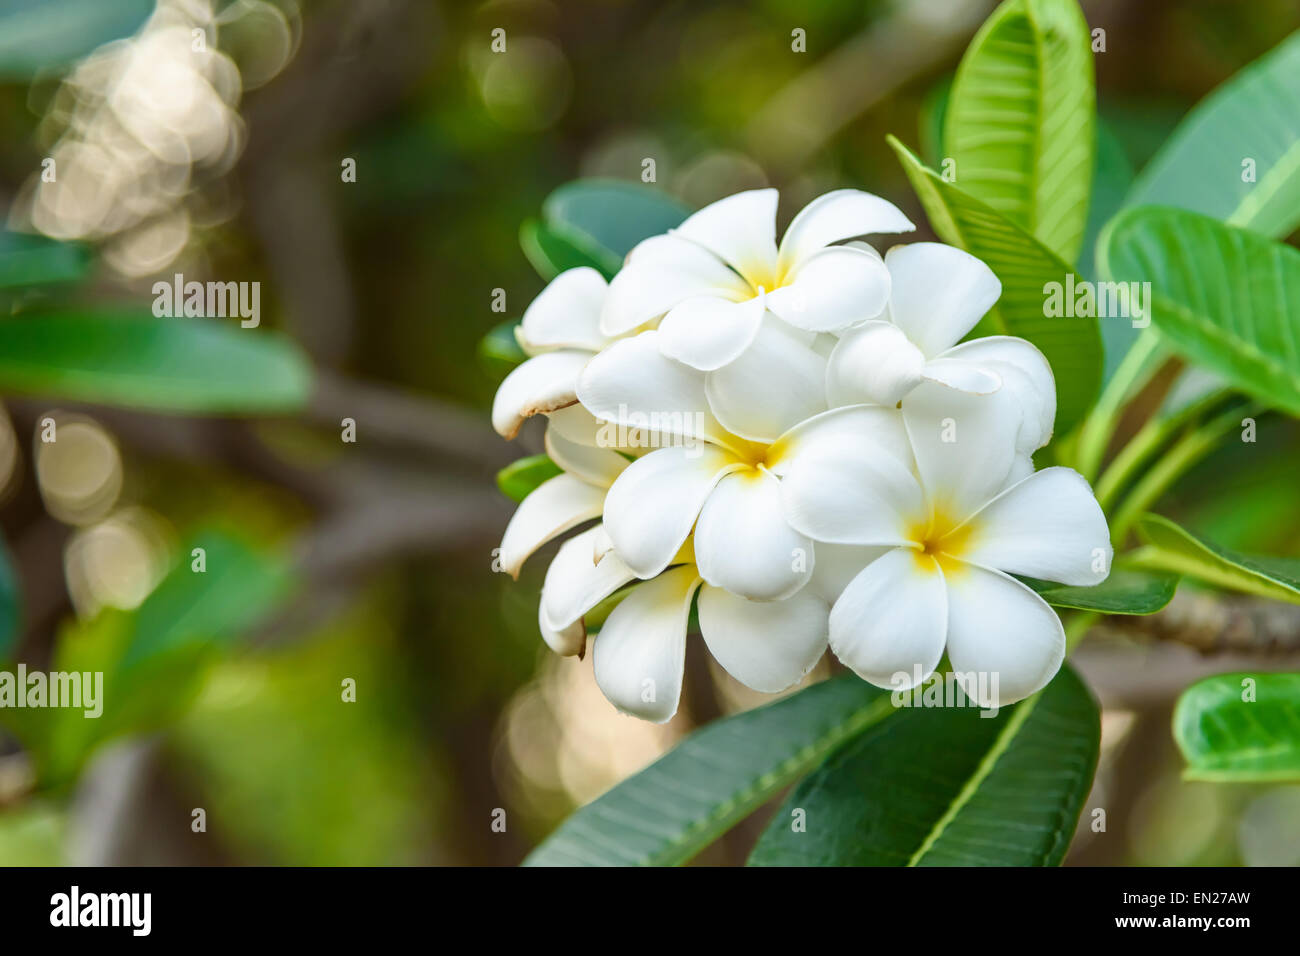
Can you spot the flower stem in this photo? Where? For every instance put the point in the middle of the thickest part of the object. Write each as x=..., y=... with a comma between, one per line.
x=1146, y=443
x=1186, y=452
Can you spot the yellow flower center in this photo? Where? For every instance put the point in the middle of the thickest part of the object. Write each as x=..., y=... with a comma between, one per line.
x=939, y=537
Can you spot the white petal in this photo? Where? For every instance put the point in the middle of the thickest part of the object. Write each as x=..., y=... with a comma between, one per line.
x=740, y=229
x=653, y=505
x=775, y=384
x=567, y=313
x=576, y=424
x=553, y=507
x=870, y=427
x=640, y=652
x=570, y=641
x=999, y=630
x=874, y=363
x=964, y=444
x=633, y=384
x=707, y=332
x=840, y=214
x=542, y=384
x=768, y=646
x=938, y=293
x=596, y=466
x=832, y=290
x=1026, y=374
x=888, y=626
x=1048, y=526
x=838, y=564
x=846, y=476
x=743, y=543
x=855, y=495
x=961, y=375
x=661, y=272
x=575, y=583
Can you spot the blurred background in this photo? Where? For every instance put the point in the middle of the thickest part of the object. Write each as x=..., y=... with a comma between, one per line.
x=371, y=561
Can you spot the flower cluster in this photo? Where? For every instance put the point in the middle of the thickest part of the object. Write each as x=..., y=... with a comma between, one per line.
x=790, y=438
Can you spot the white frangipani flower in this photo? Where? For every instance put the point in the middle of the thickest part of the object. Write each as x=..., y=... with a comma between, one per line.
x=938, y=294
x=640, y=652
x=715, y=277
x=956, y=521
x=560, y=330
x=721, y=473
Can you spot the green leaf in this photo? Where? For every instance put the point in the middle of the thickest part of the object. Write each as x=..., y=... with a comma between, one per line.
x=518, y=479
x=687, y=799
x=1254, y=115
x=943, y=786
x=1021, y=119
x=27, y=260
x=550, y=253
x=1025, y=267
x=179, y=365
x=10, y=604
x=153, y=659
x=609, y=216
x=36, y=34
x=1225, y=738
x=1224, y=298
x=1125, y=591
x=499, y=350
x=1172, y=548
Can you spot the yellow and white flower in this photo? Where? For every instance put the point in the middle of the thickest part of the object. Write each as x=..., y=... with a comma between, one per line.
x=720, y=276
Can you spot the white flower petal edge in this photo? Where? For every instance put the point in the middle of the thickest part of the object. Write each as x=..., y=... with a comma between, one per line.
x=1047, y=526
x=742, y=397
x=740, y=230
x=651, y=508
x=566, y=314
x=575, y=583
x=938, y=293
x=640, y=653
x=555, y=506
x=999, y=628
x=891, y=620
x=743, y=543
x=545, y=383
x=662, y=272
x=832, y=290
x=764, y=645
x=835, y=216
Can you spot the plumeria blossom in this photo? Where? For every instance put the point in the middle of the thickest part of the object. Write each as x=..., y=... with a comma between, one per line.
x=561, y=332
x=938, y=294
x=640, y=652
x=717, y=475
x=949, y=522
x=720, y=276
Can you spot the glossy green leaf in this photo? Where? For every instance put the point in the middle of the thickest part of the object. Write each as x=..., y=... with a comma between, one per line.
x=40, y=34
x=179, y=365
x=1227, y=299
x=10, y=604
x=1020, y=123
x=943, y=786
x=27, y=260
x=1125, y=591
x=1253, y=116
x=610, y=216
x=1172, y=548
x=550, y=253
x=518, y=479
x=1025, y=267
x=1238, y=728
x=684, y=801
